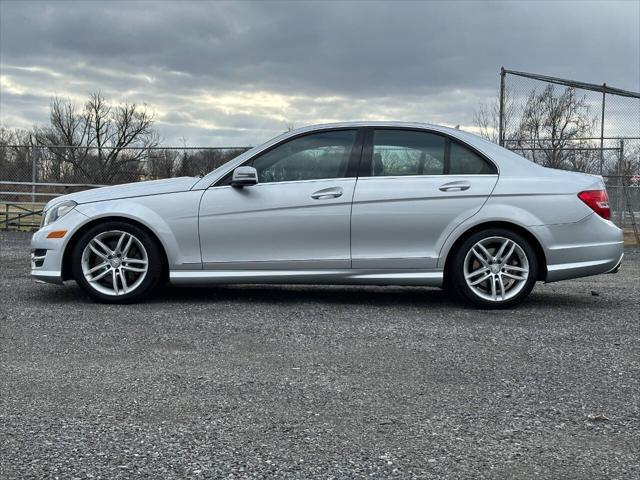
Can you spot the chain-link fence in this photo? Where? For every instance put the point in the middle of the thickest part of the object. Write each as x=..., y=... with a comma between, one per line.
x=108, y=166
x=554, y=122
x=31, y=175
x=578, y=126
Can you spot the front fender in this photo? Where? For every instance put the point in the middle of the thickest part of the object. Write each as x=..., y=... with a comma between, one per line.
x=173, y=218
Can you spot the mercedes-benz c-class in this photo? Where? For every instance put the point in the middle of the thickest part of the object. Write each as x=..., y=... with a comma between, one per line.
x=381, y=203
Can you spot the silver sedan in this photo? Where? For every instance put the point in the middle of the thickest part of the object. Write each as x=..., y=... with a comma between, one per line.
x=381, y=203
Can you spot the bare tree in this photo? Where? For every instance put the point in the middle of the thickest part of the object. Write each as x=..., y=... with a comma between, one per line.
x=627, y=164
x=162, y=163
x=487, y=118
x=105, y=143
x=201, y=162
x=15, y=158
x=554, y=126
x=551, y=128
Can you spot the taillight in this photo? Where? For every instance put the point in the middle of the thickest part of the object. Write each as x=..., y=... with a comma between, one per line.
x=598, y=201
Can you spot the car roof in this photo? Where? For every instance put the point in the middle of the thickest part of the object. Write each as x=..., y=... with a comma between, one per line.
x=376, y=123
x=466, y=137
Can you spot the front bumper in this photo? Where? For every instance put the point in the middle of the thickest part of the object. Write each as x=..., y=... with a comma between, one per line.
x=47, y=253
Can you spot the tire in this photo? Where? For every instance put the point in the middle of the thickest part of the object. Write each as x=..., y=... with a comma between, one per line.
x=121, y=254
x=479, y=277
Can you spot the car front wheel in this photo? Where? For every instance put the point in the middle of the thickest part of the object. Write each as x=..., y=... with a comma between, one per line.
x=117, y=262
x=494, y=268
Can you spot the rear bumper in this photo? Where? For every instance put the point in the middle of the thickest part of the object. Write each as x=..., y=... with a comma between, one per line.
x=565, y=271
x=616, y=269
x=589, y=247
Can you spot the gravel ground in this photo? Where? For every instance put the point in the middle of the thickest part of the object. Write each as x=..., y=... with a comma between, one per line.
x=326, y=382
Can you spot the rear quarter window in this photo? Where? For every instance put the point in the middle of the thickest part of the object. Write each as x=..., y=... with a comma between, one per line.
x=463, y=161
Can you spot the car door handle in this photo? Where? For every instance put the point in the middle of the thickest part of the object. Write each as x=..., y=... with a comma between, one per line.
x=455, y=187
x=325, y=193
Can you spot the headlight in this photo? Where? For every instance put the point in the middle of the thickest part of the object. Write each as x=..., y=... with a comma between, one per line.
x=59, y=210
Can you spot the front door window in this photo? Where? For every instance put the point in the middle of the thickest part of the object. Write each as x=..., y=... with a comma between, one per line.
x=322, y=155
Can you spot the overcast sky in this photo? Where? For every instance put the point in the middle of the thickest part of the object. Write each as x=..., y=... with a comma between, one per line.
x=237, y=73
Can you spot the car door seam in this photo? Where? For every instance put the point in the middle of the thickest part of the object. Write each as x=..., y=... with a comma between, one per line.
x=438, y=263
x=198, y=224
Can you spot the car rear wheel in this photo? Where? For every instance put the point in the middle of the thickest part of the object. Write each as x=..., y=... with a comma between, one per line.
x=494, y=268
x=117, y=262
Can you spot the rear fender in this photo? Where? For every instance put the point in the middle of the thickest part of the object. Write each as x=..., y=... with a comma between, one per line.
x=496, y=213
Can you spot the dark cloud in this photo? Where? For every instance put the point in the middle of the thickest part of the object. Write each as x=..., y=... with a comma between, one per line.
x=305, y=61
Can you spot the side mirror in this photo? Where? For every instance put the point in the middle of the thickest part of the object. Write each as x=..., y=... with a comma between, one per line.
x=244, y=177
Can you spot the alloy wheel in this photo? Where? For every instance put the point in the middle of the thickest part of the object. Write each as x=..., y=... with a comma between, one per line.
x=496, y=269
x=114, y=262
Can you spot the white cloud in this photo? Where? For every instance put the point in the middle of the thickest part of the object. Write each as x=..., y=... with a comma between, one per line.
x=221, y=73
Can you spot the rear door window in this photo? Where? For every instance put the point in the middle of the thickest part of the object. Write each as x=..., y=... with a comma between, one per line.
x=407, y=152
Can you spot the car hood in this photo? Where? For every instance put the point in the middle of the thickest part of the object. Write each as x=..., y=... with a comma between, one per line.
x=127, y=190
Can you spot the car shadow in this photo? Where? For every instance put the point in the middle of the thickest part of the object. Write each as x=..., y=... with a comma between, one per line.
x=379, y=296
x=304, y=294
